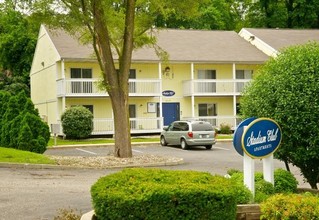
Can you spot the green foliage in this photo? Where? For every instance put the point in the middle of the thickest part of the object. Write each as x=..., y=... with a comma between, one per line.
x=263, y=190
x=20, y=124
x=77, y=122
x=161, y=194
x=287, y=90
x=225, y=129
x=281, y=14
x=211, y=15
x=284, y=182
x=17, y=44
x=292, y=206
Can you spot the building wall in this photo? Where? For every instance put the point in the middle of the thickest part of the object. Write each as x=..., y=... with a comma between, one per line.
x=42, y=77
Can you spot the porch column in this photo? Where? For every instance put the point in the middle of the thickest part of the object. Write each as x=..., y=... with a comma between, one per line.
x=64, y=86
x=192, y=90
x=161, y=97
x=234, y=96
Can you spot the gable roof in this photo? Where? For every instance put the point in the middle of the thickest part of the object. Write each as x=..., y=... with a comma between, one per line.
x=279, y=39
x=181, y=45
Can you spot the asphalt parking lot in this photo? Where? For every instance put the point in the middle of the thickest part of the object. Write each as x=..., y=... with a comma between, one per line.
x=32, y=193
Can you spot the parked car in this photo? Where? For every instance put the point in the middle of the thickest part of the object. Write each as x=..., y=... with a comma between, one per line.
x=188, y=133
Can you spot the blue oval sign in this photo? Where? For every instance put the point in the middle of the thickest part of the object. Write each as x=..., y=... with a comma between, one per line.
x=261, y=138
x=168, y=93
x=239, y=133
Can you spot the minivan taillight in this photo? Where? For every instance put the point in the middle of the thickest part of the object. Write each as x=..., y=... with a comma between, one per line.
x=190, y=134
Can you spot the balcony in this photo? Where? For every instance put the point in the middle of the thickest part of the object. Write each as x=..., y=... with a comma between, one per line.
x=209, y=87
x=89, y=88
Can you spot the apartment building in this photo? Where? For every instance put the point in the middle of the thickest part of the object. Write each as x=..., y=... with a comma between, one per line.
x=203, y=79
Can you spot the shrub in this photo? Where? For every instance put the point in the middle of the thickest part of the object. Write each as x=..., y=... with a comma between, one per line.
x=21, y=127
x=77, y=122
x=263, y=190
x=162, y=194
x=225, y=129
x=285, y=182
x=290, y=206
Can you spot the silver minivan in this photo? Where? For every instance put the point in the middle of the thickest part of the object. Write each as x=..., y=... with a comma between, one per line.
x=188, y=133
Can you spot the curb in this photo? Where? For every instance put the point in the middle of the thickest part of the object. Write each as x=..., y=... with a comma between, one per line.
x=89, y=216
x=63, y=167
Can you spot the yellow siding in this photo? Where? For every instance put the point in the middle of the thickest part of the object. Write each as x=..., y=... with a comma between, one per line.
x=43, y=78
x=102, y=107
x=146, y=71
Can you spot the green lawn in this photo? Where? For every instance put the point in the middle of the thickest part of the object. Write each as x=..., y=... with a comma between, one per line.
x=17, y=156
x=60, y=141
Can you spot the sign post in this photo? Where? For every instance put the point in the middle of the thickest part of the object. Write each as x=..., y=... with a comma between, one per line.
x=259, y=139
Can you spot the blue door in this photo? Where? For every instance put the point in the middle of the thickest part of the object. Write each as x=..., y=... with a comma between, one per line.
x=170, y=112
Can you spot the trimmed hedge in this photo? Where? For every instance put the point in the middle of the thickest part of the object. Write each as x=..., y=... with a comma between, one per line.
x=140, y=193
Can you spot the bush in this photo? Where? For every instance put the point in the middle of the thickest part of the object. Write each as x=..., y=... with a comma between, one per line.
x=161, y=194
x=20, y=124
x=285, y=182
x=77, y=122
x=225, y=129
x=290, y=206
x=263, y=190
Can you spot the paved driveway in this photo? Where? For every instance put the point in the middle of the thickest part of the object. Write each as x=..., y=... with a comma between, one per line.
x=38, y=193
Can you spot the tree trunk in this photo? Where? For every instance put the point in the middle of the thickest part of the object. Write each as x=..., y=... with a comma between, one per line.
x=116, y=81
x=122, y=131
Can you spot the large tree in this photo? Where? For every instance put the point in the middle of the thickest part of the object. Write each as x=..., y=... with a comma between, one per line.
x=212, y=15
x=17, y=44
x=287, y=90
x=115, y=29
x=282, y=13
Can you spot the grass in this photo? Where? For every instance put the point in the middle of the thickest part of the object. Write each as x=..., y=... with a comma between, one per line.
x=61, y=141
x=155, y=139
x=10, y=155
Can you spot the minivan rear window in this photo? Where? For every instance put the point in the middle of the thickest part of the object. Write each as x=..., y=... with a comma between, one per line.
x=202, y=127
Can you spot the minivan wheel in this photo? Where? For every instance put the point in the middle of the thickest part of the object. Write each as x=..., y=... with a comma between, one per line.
x=163, y=141
x=208, y=147
x=184, y=144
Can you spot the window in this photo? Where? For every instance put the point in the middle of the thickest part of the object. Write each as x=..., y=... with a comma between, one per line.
x=242, y=74
x=81, y=86
x=207, y=110
x=132, y=114
x=89, y=107
x=203, y=86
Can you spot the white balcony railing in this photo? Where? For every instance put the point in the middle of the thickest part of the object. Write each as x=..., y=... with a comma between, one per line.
x=138, y=125
x=89, y=87
x=209, y=87
x=105, y=126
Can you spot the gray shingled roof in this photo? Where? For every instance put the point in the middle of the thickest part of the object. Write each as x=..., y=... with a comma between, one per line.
x=182, y=46
x=281, y=38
